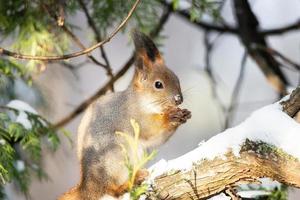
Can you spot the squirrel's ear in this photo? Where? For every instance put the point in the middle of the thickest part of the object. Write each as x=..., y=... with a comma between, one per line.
x=146, y=52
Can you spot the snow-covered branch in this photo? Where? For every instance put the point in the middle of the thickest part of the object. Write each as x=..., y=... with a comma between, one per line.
x=264, y=145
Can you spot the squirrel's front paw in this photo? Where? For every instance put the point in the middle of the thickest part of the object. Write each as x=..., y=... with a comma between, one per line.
x=179, y=115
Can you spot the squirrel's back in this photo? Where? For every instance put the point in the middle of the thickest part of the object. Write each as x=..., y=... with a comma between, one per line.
x=103, y=117
x=99, y=149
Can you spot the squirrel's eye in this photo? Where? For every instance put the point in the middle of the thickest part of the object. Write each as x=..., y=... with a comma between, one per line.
x=158, y=85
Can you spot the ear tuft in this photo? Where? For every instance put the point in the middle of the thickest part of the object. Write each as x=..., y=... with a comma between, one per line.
x=143, y=44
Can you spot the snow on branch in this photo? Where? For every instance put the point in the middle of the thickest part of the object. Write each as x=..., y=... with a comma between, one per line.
x=264, y=145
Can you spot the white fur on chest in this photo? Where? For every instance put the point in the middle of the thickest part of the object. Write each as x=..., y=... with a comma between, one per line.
x=150, y=105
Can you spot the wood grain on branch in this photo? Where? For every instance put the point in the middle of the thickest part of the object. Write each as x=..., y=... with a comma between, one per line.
x=292, y=105
x=75, y=54
x=256, y=159
x=212, y=177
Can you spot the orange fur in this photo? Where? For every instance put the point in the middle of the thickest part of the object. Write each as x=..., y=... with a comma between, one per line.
x=72, y=194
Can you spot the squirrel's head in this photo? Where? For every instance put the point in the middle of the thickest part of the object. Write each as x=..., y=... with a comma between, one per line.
x=152, y=75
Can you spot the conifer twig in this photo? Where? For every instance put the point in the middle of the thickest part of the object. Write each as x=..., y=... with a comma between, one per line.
x=75, y=54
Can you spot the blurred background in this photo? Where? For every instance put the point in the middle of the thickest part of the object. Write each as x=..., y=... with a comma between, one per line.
x=231, y=59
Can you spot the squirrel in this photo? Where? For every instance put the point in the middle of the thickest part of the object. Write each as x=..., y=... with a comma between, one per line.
x=152, y=99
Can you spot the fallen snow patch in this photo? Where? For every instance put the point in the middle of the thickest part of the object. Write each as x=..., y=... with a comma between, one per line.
x=252, y=194
x=268, y=124
x=20, y=165
x=221, y=196
x=22, y=117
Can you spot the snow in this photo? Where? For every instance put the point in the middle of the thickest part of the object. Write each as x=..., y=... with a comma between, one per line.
x=20, y=165
x=2, y=142
x=22, y=118
x=265, y=183
x=268, y=124
x=252, y=191
x=251, y=194
x=21, y=105
x=221, y=196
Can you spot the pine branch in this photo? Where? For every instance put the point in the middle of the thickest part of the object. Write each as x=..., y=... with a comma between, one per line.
x=75, y=54
x=73, y=36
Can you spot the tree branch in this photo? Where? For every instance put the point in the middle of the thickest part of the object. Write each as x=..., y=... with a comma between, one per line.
x=250, y=37
x=216, y=172
x=236, y=90
x=215, y=176
x=164, y=18
x=281, y=56
x=98, y=37
x=99, y=93
x=75, y=54
x=72, y=36
x=281, y=30
x=292, y=105
x=230, y=29
x=208, y=68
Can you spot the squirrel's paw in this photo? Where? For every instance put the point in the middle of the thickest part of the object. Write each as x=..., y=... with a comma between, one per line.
x=179, y=115
x=140, y=176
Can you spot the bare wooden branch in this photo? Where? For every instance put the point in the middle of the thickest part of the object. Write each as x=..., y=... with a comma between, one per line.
x=216, y=176
x=229, y=29
x=292, y=105
x=75, y=54
x=250, y=36
x=210, y=177
x=81, y=107
x=236, y=91
x=98, y=37
x=281, y=56
x=281, y=30
x=209, y=47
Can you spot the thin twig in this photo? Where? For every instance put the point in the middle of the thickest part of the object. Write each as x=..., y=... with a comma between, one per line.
x=229, y=29
x=277, y=31
x=72, y=36
x=99, y=93
x=98, y=37
x=236, y=90
x=75, y=54
x=209, y=46
x=232, y=193
x=281, y=56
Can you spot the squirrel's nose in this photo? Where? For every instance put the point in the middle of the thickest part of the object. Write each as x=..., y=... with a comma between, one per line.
x=178, y=99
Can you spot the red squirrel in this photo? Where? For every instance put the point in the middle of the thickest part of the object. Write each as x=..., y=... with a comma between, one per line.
x=152, y=99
